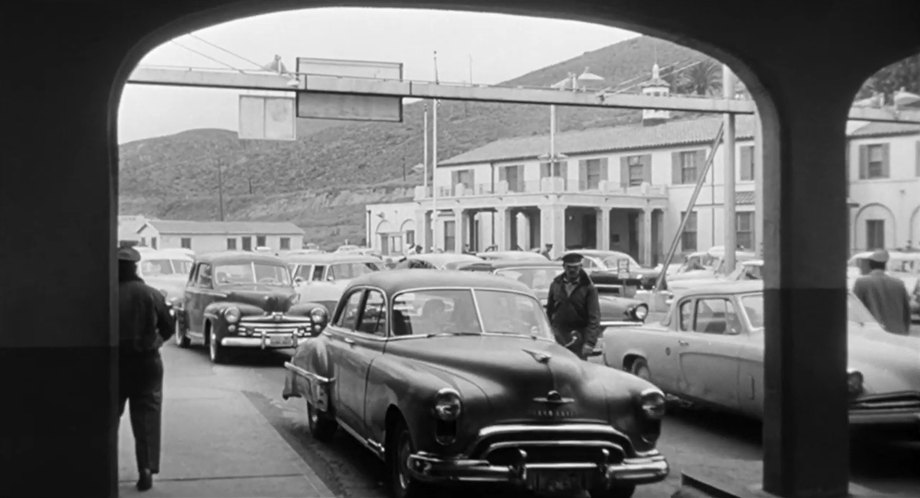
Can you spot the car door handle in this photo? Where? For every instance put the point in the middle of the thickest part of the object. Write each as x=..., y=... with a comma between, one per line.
x=349, y=340
x=683, y=342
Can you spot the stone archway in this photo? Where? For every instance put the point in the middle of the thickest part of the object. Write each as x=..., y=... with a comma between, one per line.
x=867, y=219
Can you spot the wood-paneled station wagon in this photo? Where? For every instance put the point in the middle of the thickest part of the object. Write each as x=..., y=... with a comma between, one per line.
x=243, y=300
x=454, y=377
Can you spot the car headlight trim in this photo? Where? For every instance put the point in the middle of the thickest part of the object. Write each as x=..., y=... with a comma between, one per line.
x=232, y=314
x=447, y=404
x=640, y=312
x=854, y=382
x=319, y=316
x=652, y=403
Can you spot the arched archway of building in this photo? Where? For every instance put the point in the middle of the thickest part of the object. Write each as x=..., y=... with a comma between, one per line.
x=874, y=228
x=408, y=232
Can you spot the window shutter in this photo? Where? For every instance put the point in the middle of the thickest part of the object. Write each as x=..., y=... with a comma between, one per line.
x=647, y=168
x=454, y=178
x=863, y=161
x=675, y=168
x=503, y=174
x=604, y=166
x=564, y=170
x=582, y=174
x=700, y=162
x=885, y=161
x=544, y=170
x=747, y=162
x=624, y=172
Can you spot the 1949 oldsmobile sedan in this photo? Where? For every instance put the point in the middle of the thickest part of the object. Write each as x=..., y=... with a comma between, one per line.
x=710, y=347
x=243, y=300
x=454, y=377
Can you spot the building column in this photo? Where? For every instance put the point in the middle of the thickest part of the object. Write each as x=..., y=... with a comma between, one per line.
x=603, y=228
x=422, y=227
x=645, y=242
x=500, y=228
x=552, y=226
x=458, y=231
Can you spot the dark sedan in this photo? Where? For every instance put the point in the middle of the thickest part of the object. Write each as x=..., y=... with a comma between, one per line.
x=454, y=377
x=243, y=300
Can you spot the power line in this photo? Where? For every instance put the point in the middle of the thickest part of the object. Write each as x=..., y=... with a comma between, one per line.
x=225, y=50
x=206, y=56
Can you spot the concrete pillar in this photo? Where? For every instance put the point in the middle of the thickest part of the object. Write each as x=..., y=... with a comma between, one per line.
x=500, y=228
x=458, y=231
x=645, y=242
x=552, y=226
x=603, y=228
x=422, y=227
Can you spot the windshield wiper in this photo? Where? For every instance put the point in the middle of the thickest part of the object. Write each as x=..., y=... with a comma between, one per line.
x=435, y=334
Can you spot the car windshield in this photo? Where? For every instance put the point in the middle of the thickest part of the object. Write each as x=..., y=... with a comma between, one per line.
x=753, y=307
x=615, y=262
x=454, y=311
x=339, y=271
x=156, y=267
x=252, y=273
x=535, y=278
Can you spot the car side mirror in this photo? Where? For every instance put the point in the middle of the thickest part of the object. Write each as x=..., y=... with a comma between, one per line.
x=330, y=278
x=298, y=280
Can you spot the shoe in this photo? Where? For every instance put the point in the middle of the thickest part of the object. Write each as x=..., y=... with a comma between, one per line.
x=144, y=480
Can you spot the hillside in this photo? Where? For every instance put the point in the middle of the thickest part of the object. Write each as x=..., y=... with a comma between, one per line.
x=322, y=180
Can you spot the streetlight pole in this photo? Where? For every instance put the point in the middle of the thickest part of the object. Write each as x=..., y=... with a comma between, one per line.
x=220, y=188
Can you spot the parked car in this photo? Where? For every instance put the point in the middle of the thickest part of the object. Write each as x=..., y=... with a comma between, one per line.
x=166, y=271
x=322, y=277
x=706, y=264
x=751, y=269
x=538, y=275
x=516, y=255
x=709, y=349
x=454, y=377
x=243, y=300
x=436, y=261
x=615, y=272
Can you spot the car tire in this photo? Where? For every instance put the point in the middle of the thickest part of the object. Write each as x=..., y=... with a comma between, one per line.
x=182, y=340
x=399, y=447
x=322, y=426
x=622, y=491
x=640, y=369
x=217, y=352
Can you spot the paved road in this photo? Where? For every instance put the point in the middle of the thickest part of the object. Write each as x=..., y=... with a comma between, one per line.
x=698, y=441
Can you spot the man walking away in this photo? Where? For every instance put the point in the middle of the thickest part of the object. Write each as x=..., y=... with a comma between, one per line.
x=885, y=296
x=143, y=325
x=573, y=308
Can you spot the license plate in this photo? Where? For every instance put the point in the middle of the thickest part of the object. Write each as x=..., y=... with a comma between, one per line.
x=280, y=341
x=558, y=481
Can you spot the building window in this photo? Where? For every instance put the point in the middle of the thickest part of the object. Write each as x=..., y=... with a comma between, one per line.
x=463, y=177
x=688, y=237
x=513, y=176
x=591, y=174
x=247, y=243
x=552, y=169
x=688, y=167
x=744, y=230
x=449, y=239
x=143, y=241
x=260, y=241
x=231, y=244
x=873, y=161
x=186, y=242
x=636, y=170
x=153, y=242
x=747, y=163
x=875, y=234
x=285, y=243
x=876, y=162
x=410, y=237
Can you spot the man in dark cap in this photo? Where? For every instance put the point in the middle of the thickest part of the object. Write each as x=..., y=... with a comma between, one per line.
x=573, y=307
x=144, y=324
x=885, y=296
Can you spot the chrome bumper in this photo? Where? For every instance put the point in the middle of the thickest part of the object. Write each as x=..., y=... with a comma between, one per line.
x=263, y=341
x=428, y=468
x=886, y=418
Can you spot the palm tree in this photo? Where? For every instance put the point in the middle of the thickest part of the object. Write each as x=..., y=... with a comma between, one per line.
x=703, y=78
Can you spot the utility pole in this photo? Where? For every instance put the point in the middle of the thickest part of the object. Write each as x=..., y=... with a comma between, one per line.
x=220, y=188
x=730, y=236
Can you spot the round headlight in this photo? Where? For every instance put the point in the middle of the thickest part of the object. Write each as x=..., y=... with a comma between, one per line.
x=652, y=403
x=232, y=314
x=854, y=382
x=319, y=315
x=447, y=405
x=640, y=312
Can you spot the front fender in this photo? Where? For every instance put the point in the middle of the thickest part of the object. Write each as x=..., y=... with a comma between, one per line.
x=310, y=374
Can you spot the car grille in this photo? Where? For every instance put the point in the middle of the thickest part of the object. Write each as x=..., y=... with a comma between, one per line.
x=552, y=444
x=275, y=323
x=898, y=401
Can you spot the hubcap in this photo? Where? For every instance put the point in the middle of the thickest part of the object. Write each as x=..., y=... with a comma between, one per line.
x=213, y=344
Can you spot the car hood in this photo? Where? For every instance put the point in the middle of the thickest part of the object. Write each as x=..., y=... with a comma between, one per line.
x=888, y=362
x=524, y=379
x=269, y=298
x=614, y=308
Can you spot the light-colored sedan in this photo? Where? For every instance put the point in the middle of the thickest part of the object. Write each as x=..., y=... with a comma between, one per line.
x=322, y=277
x=709, y=349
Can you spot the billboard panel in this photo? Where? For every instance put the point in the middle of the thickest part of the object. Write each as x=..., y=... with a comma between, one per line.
x=353, y=106
x=350, y=68
x=267, y=118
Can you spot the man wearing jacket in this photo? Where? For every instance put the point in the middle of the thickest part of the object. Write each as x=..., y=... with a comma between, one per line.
x=144, y=324
x=885, y=296
x=573, y=307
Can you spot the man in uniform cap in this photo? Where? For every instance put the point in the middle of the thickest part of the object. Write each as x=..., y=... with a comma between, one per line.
x=885, y=296
x=144, y=324
x=573, y=308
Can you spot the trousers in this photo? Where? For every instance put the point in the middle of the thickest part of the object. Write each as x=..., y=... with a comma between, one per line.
x=141, y=384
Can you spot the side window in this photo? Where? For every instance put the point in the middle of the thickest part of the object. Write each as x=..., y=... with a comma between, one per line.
x=686, y=315
x=204, y=276
x=192, y=276
x=374, y=316
x=348, y=317
x=716, y=316
x=588, y=264
x=318, y=272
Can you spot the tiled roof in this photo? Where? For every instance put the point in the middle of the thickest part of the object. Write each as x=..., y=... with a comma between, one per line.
x=744, y=197
x=612, y=139
x=882, y=129
x=225, y=227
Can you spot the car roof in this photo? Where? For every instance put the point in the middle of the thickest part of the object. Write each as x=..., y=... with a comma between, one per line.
x=498, y=264
x=327, y=258
x=440, y=258
x=510, y=255
x=394, y=281
x=157, y=254
x=238, y=257
x=599, y=253
x=738, y=287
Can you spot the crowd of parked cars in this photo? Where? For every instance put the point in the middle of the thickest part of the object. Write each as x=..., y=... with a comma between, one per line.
x=444, y=366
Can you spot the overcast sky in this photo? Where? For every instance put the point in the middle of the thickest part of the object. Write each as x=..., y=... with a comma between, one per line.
x=496, y=47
